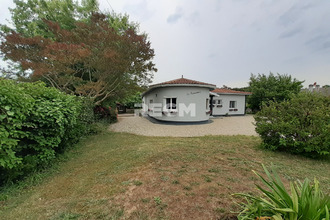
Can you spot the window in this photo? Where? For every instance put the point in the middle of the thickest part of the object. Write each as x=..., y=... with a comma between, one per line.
x=232, y=104
x=151, y=101
x=207, y=103
x=170, y=103
x=218, y=103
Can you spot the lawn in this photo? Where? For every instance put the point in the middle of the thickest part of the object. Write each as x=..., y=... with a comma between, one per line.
x=125, y=176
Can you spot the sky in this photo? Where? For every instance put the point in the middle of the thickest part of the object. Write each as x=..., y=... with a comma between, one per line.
x=223, y=42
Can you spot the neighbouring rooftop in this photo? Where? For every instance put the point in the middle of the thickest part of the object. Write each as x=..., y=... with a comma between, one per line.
x=229, y=91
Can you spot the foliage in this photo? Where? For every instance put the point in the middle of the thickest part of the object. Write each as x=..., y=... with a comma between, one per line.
x=14, y=109
x=36, y=122
x=106, y=114
x=306, y=201
x=128, y=56
x=301, y=125
x=90, y=60
x=86, y=118
x=271, y=88
x=27, y=16
x=242, y=89
x=131, y=100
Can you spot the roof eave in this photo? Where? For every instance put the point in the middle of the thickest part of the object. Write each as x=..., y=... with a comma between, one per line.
x=153, y=87
x=224, y=93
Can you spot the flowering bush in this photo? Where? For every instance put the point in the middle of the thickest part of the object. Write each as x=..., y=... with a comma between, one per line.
x=300, y=125
x=108, y=114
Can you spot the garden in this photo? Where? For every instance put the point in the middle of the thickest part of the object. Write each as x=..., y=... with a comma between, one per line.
x=58, y=160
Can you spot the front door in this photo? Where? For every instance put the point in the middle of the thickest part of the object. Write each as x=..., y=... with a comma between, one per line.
x=211, y=104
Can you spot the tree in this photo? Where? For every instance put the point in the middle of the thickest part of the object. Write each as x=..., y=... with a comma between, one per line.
x=271, y=88
x=92, y=59
x=27, y=16
x=242, y=89
x=28, y=20
x=132, y=100
x=31, y=19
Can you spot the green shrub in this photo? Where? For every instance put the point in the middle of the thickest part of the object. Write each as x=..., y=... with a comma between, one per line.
x=306, y=201
x=35, y=123
x=15, y=106
x=300, y=125
x=86, y=118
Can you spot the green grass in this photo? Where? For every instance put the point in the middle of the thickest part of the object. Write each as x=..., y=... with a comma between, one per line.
x=125, y=176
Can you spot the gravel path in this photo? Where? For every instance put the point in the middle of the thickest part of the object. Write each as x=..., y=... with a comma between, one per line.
x=238, y=125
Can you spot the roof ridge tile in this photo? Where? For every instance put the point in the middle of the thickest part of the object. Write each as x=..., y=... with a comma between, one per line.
x=183, y=81
x=225, y=90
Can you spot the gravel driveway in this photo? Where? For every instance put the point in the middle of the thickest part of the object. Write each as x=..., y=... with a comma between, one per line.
x=235, y=125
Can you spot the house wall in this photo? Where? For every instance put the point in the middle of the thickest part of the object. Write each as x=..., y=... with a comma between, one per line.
x=189, y=98
x=240, y=105
x=144, y=105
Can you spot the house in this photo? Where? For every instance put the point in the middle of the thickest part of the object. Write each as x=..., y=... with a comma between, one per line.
x=325, y=90
x=181, y=100
x=186, y=100
x=228, y=102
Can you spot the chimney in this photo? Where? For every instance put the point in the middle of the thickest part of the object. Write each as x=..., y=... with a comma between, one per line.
x=310, y=87
x=317, y=87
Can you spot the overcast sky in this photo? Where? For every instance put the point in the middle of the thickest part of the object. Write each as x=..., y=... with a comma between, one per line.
x=223, y=42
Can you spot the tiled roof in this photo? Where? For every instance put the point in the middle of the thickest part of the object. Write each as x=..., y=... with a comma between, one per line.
x=184, y=81
x=223, y=91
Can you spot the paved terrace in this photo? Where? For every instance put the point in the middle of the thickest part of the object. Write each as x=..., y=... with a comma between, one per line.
x=234, y=125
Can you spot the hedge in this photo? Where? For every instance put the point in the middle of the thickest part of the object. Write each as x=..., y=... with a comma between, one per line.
x=300, y=125
x=36, y=122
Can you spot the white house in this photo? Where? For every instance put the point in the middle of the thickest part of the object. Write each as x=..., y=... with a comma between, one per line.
x=185, y=100
x=181, y=100
x=228, y=102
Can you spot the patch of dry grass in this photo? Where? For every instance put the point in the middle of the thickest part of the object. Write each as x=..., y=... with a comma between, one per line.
x=124, y=176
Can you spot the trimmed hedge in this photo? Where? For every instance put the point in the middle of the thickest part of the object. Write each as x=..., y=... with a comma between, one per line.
x=36, y=122
x=300, y=125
